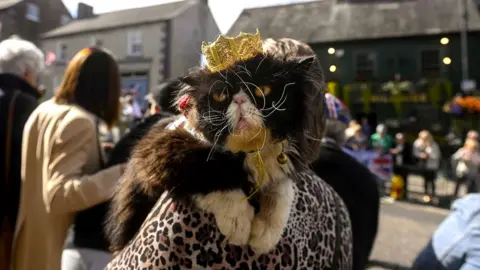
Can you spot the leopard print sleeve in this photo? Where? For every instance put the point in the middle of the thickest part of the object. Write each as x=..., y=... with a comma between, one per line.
x=177, y=236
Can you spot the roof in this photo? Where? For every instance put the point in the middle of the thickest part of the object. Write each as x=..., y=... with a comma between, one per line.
x=337, y=20
x=8, y=3
x=122, y=18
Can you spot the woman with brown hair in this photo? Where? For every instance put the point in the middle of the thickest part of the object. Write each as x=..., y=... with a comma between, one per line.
x=62, y=160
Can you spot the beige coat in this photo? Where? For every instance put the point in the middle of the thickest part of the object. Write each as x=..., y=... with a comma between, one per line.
x=60, y=163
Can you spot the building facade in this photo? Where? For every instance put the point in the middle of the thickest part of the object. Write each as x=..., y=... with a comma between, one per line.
x=150, y=44
x=29, y=18
x=364, y=45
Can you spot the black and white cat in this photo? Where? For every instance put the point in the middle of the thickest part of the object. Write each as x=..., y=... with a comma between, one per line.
x=246, y=128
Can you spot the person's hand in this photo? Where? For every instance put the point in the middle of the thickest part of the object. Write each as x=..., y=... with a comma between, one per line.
x=394, y=151
x=423, y=156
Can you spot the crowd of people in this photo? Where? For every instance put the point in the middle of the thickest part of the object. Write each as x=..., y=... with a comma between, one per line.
x=422, y=157
x=62, y=164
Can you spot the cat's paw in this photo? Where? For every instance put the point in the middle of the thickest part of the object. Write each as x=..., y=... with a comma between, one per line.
x=264, y=237
x=233, y=214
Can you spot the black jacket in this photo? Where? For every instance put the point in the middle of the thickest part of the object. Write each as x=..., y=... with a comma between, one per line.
x=26, y=101
x=407, y=154
x=357, y=186
x=88, y=229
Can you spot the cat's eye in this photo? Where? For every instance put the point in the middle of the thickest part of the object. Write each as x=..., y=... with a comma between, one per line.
x=263, y=91
x=219, y=97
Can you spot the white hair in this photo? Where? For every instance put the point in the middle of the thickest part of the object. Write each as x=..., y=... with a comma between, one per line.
x=18, y=56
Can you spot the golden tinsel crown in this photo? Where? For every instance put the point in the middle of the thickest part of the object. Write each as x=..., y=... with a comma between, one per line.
x=225, y=51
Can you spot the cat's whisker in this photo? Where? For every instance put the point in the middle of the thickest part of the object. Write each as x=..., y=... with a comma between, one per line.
x=245, y=70
x=259, y=64
x=209, y=91
x=263, y=95
x=215, y=141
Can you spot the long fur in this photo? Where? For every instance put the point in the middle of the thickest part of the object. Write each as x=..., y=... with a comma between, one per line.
x=179, y=163
x=173, y=161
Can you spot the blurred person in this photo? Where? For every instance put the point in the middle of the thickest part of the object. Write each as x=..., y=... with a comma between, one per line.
x=355, y=184
x=21, y=62
x=428, y=156
x=61, y=169
x=381, y=140
x=402, y=159
x=164, y=96
x=349, y=132
x=465, y=163
x=366, y=129
x=455, y=243
x=358, y=141
x=472, y=134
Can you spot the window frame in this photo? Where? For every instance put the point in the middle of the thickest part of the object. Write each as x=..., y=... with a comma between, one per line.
x=35, y=15
x=420, y=60
x=134, y=38
x=374, y=62
x=61, y=52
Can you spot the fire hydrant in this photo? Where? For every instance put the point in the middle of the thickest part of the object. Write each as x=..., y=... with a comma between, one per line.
x=397, y=187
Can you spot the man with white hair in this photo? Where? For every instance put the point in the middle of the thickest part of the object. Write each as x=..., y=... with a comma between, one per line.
x=20, y=65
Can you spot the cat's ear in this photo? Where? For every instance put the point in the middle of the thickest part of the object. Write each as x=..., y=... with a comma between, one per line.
x=306, y=63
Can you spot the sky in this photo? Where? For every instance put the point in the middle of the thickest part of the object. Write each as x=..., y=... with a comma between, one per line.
x=224, y=11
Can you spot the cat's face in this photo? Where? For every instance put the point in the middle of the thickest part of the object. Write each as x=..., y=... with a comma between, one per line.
x=257, y=102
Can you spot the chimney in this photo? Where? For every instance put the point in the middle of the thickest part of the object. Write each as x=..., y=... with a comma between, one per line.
x=84, y=11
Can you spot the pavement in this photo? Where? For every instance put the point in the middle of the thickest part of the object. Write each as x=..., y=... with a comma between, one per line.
x=406, y=227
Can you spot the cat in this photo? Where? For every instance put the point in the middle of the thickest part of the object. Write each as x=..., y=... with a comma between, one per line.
x=246, y=128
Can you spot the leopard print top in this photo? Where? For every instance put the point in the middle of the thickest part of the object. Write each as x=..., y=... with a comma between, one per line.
x=174, y=236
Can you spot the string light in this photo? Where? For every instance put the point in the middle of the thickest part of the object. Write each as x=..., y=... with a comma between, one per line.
x=447, y=60
x=333, y=68
x=331, y=50
x=444, y=41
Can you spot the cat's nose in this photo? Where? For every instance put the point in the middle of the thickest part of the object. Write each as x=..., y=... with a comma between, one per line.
x=239, y=99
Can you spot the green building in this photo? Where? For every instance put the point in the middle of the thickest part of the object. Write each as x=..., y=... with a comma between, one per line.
x=362, y=44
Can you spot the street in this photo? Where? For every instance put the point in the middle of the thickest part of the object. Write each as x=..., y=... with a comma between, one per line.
x=406, y=227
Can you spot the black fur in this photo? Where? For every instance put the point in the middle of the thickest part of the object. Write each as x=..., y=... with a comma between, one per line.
x=302, y=120
x=173, y=161
x=177, y=162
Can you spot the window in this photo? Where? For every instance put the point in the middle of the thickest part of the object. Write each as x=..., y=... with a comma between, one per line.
x=135, y=47
x=33, y=12
x=64, y=19
x=430, y=62
x=365, y=66
x=62, y=52
x=96, y=42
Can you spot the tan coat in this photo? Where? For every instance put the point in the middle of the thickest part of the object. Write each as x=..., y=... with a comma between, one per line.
x=60, y=163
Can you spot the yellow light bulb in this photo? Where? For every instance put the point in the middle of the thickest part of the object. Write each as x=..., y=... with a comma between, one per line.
x=447, y=60
x=444, y=41
x=331, y=50
x=333, y=68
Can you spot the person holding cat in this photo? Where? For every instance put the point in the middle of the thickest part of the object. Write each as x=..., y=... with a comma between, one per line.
x=227, y=185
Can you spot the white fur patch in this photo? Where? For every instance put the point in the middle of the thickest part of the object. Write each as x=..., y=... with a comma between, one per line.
x=269, y=224
x=233, y=214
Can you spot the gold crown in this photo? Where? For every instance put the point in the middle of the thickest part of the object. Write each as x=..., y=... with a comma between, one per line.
x=225, y=51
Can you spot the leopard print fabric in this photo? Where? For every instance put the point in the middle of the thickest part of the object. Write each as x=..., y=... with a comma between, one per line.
x=177, y=237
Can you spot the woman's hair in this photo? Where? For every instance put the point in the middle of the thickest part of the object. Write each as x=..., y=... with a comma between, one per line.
x=425, y=137
x=92, y=81
x=471, y=144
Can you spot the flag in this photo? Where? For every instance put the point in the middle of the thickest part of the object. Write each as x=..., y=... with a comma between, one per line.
x=50, y=58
